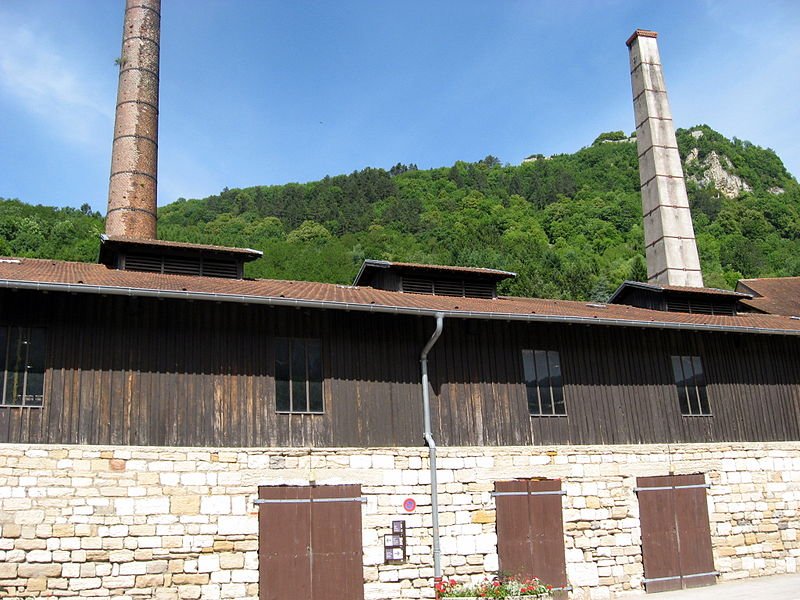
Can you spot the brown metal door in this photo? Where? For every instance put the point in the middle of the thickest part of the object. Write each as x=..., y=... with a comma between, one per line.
x=530, y=530
x=514, y=547
x=660, y=549
x=310, y=542
x=337, y=572
x=284, y=543
x=694, y=531
x=676, y=537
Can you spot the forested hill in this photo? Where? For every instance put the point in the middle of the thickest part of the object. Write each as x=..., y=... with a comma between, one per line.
x=569, y=225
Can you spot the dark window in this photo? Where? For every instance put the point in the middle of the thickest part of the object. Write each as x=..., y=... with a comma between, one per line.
x=298, y=375
x=691, y=383
x=543, y=382
x=22, y=356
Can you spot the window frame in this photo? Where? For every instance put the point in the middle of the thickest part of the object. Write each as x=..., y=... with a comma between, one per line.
x=544, y=389
x=287, y=383
x=691, y=387
x=27, y=337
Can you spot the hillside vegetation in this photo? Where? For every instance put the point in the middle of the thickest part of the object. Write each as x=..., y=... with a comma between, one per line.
x=569, y=225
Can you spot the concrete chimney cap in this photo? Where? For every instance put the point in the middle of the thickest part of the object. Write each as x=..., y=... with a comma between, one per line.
x=641, y=33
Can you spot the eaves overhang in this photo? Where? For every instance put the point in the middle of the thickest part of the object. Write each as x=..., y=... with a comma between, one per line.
x=76, y=288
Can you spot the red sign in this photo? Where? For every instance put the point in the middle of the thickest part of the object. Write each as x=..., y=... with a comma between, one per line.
x=409, y=504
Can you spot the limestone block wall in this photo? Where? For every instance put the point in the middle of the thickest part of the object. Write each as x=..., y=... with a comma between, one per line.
x=167, y=523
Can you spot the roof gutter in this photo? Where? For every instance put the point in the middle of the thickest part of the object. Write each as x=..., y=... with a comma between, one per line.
x=374, y=308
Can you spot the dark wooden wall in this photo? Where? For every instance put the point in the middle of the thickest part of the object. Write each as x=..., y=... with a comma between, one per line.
x=618, y=385
x=141, y=371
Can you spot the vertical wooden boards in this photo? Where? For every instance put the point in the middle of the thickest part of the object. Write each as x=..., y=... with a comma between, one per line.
x=128, y=370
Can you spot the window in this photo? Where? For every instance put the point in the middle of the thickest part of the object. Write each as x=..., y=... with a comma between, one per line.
x=22, y=357
x=543, y=382
x=691, y=383
x=298, y=375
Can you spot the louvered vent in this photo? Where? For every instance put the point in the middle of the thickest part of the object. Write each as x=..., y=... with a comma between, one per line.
x=182, y=265
x=416, y=285
x=138, y=262
x=473, y=289
x=699, y=307
x=178, y=265
x=448, y=287
x=220, y=268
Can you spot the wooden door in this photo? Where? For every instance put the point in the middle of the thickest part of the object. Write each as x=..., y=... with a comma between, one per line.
x=310, y=542
x=530, y=531
x=676, y=535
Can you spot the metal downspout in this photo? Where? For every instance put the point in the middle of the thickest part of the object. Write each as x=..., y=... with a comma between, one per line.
x=426, y=409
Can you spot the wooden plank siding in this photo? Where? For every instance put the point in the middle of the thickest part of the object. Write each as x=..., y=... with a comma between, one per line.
x=138, y=371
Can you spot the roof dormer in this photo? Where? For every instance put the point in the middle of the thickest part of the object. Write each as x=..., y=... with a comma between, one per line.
x=436, y=280
x=176, y=258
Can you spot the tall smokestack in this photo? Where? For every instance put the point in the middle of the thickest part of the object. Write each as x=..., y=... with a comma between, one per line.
x=134, y=157
x=670, y=246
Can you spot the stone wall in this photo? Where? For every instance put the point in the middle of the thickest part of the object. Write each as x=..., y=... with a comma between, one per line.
x=171, y=523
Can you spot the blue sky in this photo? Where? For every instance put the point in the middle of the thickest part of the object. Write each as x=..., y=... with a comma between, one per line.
x=265, y=92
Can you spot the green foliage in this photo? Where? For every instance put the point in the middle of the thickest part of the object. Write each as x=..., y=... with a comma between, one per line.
x=569, y=225
x=638, y=269
x=610, y=136
x=45, y=232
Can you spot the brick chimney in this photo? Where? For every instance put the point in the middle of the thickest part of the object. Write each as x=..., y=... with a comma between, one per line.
x=670, y=246
x=134, y=157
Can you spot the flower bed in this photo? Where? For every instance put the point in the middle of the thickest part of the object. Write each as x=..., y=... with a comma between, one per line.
x=510, y=588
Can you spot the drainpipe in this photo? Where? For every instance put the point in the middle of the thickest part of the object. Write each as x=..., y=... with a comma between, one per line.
x=426, y=410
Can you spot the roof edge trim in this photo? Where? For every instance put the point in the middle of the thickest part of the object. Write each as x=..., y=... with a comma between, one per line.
x=373, y=308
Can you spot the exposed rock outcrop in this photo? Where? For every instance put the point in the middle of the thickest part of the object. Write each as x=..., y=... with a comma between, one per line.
x=716, y=172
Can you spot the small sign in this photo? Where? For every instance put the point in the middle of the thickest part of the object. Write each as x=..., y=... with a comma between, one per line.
x=392, y=554
x=409, y=504
x=394, y=544
x=393, y=540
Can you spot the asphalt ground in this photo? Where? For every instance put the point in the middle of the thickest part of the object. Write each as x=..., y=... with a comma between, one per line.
x=774, y=587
